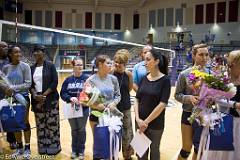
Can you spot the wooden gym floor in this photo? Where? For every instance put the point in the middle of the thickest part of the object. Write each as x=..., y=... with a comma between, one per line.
x=170, y=143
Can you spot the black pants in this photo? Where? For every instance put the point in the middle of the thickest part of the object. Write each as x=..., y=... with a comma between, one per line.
x=10, y=137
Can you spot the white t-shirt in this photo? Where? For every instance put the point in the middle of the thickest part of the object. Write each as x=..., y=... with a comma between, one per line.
x=37, y=78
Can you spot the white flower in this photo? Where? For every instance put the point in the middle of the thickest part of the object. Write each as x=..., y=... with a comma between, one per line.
x=233, y=89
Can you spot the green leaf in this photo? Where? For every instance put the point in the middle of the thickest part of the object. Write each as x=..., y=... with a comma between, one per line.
x=97, y=113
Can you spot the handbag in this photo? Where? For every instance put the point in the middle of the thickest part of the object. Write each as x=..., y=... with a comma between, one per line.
x=13, y=117
x=218, y=142
x=72, y=111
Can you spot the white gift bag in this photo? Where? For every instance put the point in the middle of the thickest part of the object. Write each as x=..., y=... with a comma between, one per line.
x=72, y=110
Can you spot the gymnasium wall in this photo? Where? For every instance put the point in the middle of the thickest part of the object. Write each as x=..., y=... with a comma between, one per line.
x=174, y=11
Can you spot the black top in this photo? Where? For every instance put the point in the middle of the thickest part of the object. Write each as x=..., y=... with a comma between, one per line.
x=50, y=80
x=123, y=81
x=237, y=99
x=149, y=95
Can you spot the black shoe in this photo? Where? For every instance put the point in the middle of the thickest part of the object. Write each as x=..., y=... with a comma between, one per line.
x=13, y=145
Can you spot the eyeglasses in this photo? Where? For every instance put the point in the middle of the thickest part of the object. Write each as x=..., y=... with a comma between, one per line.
x=78, y=65
x=118, y=62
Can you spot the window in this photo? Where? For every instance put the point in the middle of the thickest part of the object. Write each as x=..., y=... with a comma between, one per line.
x=221, y=12
x=108, y=21
x=28, y=17
x=152, y=18
x=210, y=13
x=199, y=14
x=160, y=18
x=179, y=16
x=136, y=21
x=58, y=19
x=88, y=20
x=98, y=21
x=38, y=18
x=169, y=17
x=48, y=19
x=233, y=11
x=1, y=13
x=117, y=21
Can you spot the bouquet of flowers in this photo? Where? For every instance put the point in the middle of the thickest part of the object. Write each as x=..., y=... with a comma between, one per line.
x=90, y=95
x=210, y=87
x=7, y=84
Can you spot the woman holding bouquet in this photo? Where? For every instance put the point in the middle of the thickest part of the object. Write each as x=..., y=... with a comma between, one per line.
x=45, y=103
x=108, y=86
x=188, y=97
x=125, y=81
x=234, y=104
x=71, y=88
x=19, y=75
x=151, y=99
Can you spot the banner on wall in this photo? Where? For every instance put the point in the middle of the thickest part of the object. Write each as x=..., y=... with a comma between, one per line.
x=66, y=56
x=80, y=53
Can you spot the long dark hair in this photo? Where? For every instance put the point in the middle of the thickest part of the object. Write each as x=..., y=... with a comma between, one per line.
x=163, y=61
x=10, y=51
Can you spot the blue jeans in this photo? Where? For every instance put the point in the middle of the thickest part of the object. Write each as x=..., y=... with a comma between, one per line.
x=78, y=131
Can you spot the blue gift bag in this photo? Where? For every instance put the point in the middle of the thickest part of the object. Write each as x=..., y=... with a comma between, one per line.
x=101, y=146
x=221, y=142
x=13, y=118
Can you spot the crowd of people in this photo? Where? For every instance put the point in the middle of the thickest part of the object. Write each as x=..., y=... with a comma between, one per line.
x=149, y=79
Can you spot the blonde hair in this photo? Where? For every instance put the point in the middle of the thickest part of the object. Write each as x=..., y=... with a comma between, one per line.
x=122, y=55
x=234, y=56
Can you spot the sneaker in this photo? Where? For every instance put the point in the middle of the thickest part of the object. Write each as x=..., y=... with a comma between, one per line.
x=81, y=156
x=74, y=155
x=13, y=145
x=17, y=154
x=27, y=154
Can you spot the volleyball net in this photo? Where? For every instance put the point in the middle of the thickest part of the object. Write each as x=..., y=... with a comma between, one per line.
x=63, y=45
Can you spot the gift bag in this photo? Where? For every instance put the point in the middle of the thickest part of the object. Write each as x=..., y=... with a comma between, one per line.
x=101, y=146
x=13, y=118
x=107, y=136
x=220, y=142
x=72, y=111
x=107, y=143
